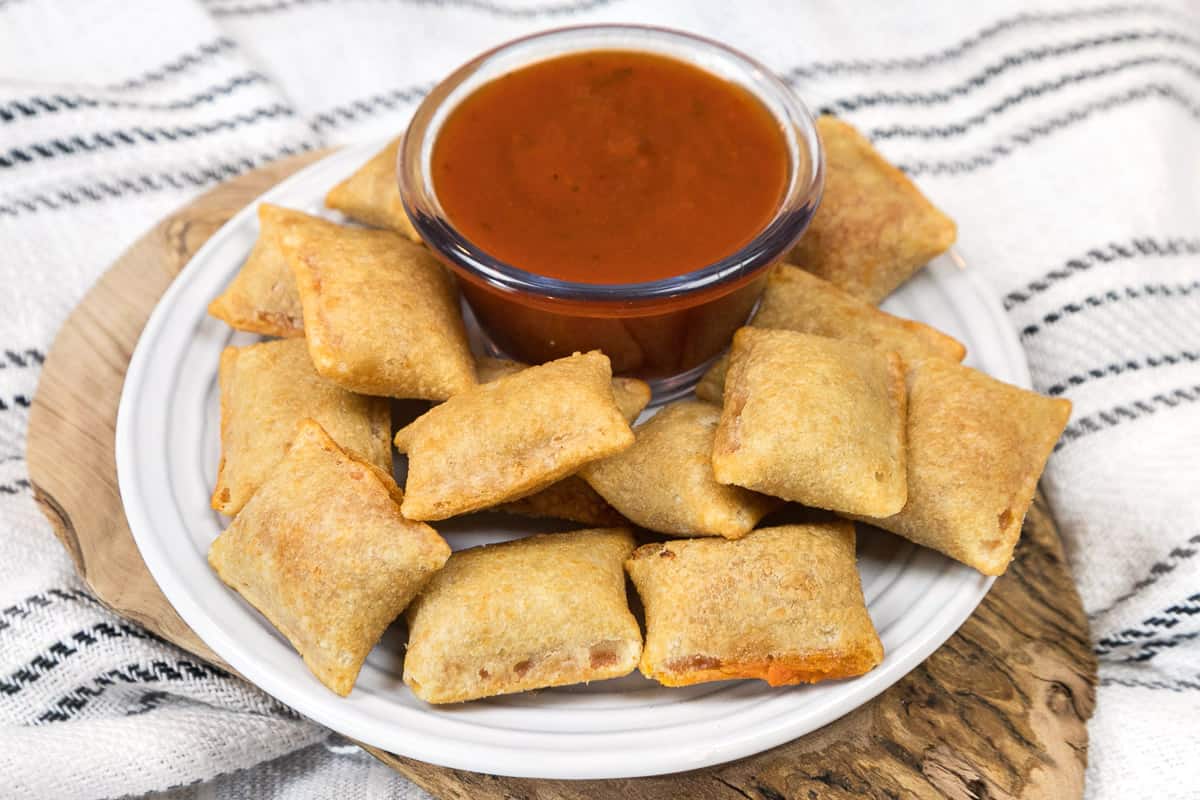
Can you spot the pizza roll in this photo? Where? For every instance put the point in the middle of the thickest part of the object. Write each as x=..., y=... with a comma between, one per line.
x=507, y=439
x=262, y=297
x=324, y=553
x=372, y=194
x=665, y=481
x=874, y=228
x=976, y=448
x=796, y=300
x=571, y=498
x=815, y=420
x=266, y=389
x=381, y=315
x=488, y=369
x=711, y=386
x=782, y=604
x=630, y=394
x=543, y=611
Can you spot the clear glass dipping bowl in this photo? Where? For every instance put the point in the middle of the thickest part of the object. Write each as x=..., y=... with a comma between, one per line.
x=664, y=331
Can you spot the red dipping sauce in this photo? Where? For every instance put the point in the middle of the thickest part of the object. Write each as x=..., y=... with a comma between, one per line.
x=610, y=167
x=620, y=198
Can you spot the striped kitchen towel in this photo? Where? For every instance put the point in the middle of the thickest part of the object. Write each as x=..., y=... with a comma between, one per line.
x=1063, y=139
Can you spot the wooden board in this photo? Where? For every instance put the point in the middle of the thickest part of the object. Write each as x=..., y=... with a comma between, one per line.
x=999, y=711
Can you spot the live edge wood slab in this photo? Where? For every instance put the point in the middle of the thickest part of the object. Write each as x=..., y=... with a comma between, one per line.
x=999, y=711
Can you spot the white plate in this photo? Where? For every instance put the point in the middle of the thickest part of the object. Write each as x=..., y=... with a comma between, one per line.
x=166, y=449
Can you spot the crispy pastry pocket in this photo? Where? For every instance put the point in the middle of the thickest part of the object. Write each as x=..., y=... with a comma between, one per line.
x=262, y=297
x=665, y=481
x=976, y=448
x=796, y=300
x=815, y=420
x=781, y=604
x=874, y=228
x=509, y=438
x=543, y=611
x=381, y=315
x=324, y=553
x=570, y=498
x=630, y=394
x=372, y=195
x=266, y=389
x=711, y=386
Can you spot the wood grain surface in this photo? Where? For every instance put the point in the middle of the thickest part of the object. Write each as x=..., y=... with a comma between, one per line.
x=999, y=711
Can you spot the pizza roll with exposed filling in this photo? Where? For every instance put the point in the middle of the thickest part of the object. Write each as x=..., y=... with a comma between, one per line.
x=262, y=297
x=796, y=300
x=372, y=194
x=266, y=389
x=782, y=604
x=509, y=438
x=976, y=448
x=324, y=553
x=381, y=315
x=874, y=228
x=543, y=611
x=665, y=481
x=815, y=420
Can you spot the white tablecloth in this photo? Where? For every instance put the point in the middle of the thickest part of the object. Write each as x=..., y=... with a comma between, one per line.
x=1063, y=139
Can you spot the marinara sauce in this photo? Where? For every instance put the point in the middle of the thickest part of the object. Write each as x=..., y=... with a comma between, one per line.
x=610, y=167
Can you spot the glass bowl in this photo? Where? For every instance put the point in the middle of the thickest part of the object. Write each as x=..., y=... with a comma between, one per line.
x=665, y=331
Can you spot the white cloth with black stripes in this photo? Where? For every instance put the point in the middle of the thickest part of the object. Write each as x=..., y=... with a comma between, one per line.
x=1063, y=139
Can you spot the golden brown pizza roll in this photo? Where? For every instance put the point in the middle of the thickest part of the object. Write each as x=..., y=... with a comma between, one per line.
x=665, y=481
x=372, y=194
x=711, y=386
x=631, y=394
x=262, y=297
x=488, y=369
x=796, y=300
x=815, y=420
x=874, y=228
x=381, y=315
x=324, y=553
x=544, y=611
x=266, y=389
x=781, y=604
x=571, y=498
x=976, y=448
x=507, y=439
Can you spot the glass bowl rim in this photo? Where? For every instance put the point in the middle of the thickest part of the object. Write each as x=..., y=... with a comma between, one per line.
x=792, y=216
